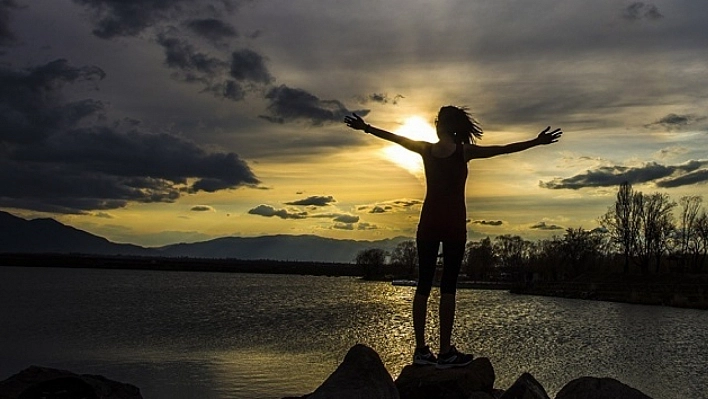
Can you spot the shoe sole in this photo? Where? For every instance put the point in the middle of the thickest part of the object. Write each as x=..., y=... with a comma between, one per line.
x=424, y=363
x=452, y=365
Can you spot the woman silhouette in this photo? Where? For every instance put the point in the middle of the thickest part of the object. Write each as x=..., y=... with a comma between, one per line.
x=443, y=217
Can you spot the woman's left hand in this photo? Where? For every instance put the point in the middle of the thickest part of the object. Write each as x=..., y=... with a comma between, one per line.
x=547, y=136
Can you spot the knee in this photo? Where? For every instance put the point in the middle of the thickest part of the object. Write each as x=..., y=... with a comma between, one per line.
x=422, y=291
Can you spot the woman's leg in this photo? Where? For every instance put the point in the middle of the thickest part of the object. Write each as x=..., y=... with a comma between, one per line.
x=453, y=252
x=427, y=259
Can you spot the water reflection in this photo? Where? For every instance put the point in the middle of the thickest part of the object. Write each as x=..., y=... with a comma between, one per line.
x=186, y=335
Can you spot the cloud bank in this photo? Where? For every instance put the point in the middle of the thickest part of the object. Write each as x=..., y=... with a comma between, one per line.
x=688, y=173
x=66, y=156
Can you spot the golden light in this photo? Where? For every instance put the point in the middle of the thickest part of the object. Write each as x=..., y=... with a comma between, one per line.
x=415, y=128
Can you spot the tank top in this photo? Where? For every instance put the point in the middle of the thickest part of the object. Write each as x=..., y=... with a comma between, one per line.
x=444, y=213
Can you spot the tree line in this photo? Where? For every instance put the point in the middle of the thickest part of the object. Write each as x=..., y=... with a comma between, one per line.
x=639, y=234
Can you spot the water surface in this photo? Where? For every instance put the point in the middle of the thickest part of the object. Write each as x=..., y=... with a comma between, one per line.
x=212, y=335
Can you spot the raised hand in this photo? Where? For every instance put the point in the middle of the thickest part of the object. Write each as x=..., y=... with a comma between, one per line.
x=547, y=136
x=355, y=122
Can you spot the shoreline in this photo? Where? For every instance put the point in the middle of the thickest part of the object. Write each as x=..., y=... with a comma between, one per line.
x=680, y=291
x=677, y=295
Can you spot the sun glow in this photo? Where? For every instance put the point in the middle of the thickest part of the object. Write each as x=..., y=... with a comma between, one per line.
x=415, y=128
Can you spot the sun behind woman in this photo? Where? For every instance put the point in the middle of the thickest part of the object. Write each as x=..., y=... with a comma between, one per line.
x=415, y=128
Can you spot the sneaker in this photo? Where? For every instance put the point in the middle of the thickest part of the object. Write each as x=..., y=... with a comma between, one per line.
x=453, y=358
x=423, y=357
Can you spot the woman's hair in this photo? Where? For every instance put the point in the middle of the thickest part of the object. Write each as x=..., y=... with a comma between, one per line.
x=458, y=122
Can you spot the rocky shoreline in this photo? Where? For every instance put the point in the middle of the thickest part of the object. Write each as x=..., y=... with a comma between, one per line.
x=360, y=375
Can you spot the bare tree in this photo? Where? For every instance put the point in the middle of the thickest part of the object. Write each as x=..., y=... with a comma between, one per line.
x=657, y=225
x=687, y=241
x=511, y=251
x=701, y=249
x=406, y=255
x=623, y=221
x=579, y=248
x=479, y=258
x=371, y=261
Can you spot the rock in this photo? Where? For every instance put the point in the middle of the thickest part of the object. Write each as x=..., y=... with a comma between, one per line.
x=525, y=387
x=361, y=375
x=427, y=382
x=47, y=383
x=599, y=388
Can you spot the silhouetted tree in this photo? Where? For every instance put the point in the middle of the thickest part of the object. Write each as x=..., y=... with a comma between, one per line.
x=657, y=225
x=511, y=251
x=406, y=255
x=701, y=233
x=623, y=221
x=579, y=248
x=371, y=261
x=479, y=258
x=687, y=243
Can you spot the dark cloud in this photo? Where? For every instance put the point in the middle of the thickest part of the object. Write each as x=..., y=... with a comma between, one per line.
x=212, y=29
x=247, y=65
x=676, y=121
x=315, y=200
x=269, y=211
x=695, y=177
x=639, y=10
x=366, y=226
x=341, y=220
x=381, y=98
x=181, y=55
x=488, y=222
x=544, y=226
x=115, y=18
x=222, y=78
x=343, y=226
x=288, y=104
x=390, y=206
x=63, y=156
x=7, y=37
x=31, y=105
x=608, y=176
x=201, y=208
x=347, y=219
x=406, y=203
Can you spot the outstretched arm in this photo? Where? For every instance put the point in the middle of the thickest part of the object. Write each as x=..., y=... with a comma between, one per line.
x=545, y=137
x=357, y=123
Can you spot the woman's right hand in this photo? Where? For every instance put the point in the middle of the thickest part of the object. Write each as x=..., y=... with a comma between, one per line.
x=355, y=122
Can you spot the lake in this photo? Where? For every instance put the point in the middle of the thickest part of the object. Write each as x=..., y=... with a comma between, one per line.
x=212, y=335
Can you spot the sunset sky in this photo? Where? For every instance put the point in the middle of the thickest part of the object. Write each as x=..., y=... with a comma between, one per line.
x=162, y=121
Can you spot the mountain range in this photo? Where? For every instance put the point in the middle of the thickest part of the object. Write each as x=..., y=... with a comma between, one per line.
x=18, y=235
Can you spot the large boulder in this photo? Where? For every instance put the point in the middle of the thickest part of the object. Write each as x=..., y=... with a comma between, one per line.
x=525, y=387
x=427, y=382
x=598, y=388
x=47, y=383
x=361, y=375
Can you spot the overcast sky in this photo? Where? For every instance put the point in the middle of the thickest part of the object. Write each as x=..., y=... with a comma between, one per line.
x=162, y=121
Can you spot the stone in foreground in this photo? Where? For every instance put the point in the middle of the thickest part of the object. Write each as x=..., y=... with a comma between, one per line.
x=525, y=387
x=427, y=382
x=599, y=388
x=42, y=382
x=361, y=375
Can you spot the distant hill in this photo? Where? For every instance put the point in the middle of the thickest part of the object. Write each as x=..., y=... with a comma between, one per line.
x=280, y=247
x=19, y=235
